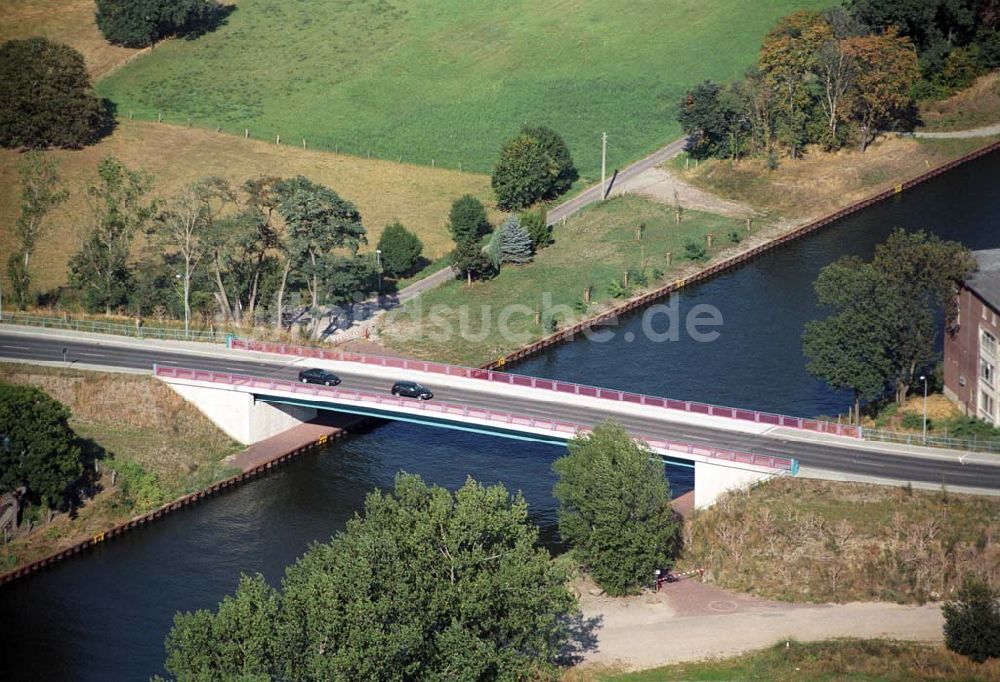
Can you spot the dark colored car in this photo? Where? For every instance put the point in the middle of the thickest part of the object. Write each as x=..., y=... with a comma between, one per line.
x=411, y=389
x=314, y=375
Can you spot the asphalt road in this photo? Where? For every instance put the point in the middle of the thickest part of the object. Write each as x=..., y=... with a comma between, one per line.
x=819, y=455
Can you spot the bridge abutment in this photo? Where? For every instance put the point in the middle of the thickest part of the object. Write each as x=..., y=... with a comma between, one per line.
x=712, y=479
x=240, y=415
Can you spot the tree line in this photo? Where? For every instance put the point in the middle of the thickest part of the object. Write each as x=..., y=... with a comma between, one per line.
x=239, y=254
x=839, y=77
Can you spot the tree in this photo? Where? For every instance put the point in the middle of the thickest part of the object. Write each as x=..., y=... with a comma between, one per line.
x=38, y=449
x=972, y=620
x=45, y=97
x=400, y=250
x=614, y=508
x=849, y=349
x=886, y=72
x=319, y=222
x=467, y=219
x=921, y=274
x=468, y=260
x=510, y=244
x=524, y=173
x=553, y=145
x=535, y=223
x=40, y=194
x=426, y=584
x=118, y=210
x=140, y=23
x=836, y=69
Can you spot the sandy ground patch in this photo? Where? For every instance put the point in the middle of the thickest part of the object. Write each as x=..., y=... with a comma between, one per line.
x=660, y=184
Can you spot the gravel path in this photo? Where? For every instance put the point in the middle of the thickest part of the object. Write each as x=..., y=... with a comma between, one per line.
x=985, y=131
x=689, y=621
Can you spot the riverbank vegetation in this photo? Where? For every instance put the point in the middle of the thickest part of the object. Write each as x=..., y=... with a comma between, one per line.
x=821, y=541
x=153, y=447
x=627, y=243
x=425, y=583
x=860, y=660
x=975, y=107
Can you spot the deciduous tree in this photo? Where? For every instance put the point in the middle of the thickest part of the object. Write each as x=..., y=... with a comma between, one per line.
x=40, y=194
x=45, y=97
x=139, y=23
x=553, y=145
x=972, y=620
x=614, y=508
x=400, y=250
x=467, y=219
x=524, y=173
x=426, y=584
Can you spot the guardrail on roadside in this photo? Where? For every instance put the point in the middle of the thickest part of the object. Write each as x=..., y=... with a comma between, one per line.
x=443, y=408
x=117, y=329
x=972, y=445
x=755, y=416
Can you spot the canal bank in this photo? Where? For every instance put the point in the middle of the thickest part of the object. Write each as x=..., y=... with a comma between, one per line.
x=104, y=615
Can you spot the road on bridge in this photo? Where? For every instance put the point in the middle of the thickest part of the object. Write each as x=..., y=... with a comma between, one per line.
x=861, y=459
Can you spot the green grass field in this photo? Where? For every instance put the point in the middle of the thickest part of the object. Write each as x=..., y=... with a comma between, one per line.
x=602, y=236
x=449, y=80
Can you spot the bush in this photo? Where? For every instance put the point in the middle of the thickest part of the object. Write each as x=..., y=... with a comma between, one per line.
x=140, y=490
x=139, y=23
x=614, y=509
x=695, y=250
x=524, y=174
x=914, y=421
x=400, y=249
x=45, y=97
x=734, y=236
x=534, y=223
x=972, y=621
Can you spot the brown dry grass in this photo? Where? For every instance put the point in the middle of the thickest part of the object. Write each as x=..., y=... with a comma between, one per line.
x=976, y=106
x=134, y=419
x=67, y=21
x=383, y=191
x=822, y=183
x=820, y=541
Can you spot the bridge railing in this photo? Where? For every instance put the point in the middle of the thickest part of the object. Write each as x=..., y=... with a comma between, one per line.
x=815, y=425
x=439, y=407
x=116, y=328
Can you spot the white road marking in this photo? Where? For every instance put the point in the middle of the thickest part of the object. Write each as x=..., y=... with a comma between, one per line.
x=4, y=345
x=92, y=355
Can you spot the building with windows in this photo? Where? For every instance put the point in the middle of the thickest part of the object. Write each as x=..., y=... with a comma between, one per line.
x=971, y=352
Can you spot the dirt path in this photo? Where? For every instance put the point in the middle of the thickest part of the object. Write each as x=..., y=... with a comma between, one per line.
x=662, y=185
x=690, y=621
x=985, y=131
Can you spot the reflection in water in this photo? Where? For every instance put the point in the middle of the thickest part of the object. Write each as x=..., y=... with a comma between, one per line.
x=104, y=615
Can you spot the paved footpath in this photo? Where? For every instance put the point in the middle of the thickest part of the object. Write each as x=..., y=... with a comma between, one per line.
x=690, y=621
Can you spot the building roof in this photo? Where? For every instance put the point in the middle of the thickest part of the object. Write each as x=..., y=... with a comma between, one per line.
x=985, y=282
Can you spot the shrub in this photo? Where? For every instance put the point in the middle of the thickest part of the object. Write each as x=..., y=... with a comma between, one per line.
x=914, y=421
x=734, y=236
x=45, y=97
x=534, y=223
x=400, y=250
x=972, y=621
x=695, y=250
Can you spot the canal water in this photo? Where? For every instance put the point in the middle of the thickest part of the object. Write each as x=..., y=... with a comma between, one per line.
x=105, y=614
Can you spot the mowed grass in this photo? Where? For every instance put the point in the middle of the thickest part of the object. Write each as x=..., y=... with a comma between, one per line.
x=875, y=660
x=417, y=196
x=450, y=80
x=457, y=324
x=66, y=21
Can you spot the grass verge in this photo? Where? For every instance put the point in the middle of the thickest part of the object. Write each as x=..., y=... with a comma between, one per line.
x=417, y=196
x=839, y=659
x=159, y=446
x=976, y=106
x=594, y=249
x=820, y=541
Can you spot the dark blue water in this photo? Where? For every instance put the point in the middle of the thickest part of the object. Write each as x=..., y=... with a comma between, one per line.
x=105, y=614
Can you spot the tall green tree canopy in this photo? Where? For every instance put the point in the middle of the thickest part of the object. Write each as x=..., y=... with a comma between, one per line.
x=467, y=219
x=45, y=97
x=614, y=509
x=118, y=209
x=553, y=145
x=972, y=620
x=524, y=174
x=38, y=449
x=400, y=250
x=426, y=584
x=139, y=23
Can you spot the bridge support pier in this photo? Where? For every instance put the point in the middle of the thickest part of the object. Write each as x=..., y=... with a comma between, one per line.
x=712, y=479
x=243, y=418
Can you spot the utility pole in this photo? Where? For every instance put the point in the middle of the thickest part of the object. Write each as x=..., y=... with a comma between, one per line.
x=604, y=159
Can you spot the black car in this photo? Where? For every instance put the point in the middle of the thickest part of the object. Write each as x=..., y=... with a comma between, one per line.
x=314, y=375
x=411, y=389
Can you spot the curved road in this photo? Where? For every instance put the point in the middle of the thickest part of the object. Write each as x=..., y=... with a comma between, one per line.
x=864, y=459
